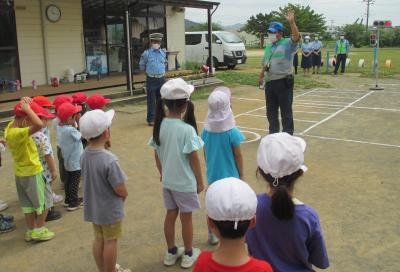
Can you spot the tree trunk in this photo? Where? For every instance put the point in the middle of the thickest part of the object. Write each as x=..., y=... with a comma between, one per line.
x=262, y=40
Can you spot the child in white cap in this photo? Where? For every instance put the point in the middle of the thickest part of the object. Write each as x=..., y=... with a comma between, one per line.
x=231, y=210
x=222, y=141
x=176, y=143
x=104, y=189
x=288, y=233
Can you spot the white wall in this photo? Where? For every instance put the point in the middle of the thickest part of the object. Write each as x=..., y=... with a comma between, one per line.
x=175, y=34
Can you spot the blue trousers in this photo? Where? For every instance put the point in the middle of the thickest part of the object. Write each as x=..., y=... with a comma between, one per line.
x=279, y=96
x=153, y=86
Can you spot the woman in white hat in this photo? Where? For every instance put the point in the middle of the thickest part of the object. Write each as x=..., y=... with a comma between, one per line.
x=288, y=233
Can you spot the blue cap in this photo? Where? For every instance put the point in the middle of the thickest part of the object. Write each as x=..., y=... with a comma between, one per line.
x=275, y=27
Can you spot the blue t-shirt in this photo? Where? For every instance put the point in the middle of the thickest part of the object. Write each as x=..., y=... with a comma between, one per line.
x=177, y=141
x=290, y=245
x=220, y=160
x=71, y=147
x=306, y=47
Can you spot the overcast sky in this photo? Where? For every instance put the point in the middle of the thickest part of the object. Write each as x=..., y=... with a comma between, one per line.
x=340, y=11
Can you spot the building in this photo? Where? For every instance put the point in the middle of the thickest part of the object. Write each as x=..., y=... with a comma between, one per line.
x=42, y=39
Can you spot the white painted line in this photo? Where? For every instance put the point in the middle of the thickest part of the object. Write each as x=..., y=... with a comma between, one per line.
x=336, y=113
x=340, y=92
x=349, y=140
x=240, y=114
x=347, y=90
x=389, y=84
x=259, y=129
x=328, y=96
x=258, y=136
x=318, y=104
x=368, y=108
x=317, y=107
x=313, y=112
x=319, y=101
x=263, y=116
x=248, y=99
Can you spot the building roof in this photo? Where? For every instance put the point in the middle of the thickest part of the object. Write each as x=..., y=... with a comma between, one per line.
x=178, y=3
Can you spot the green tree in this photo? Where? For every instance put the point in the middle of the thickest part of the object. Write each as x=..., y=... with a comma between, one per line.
x=307, y=20
x=204, y=27
x=258, y=25
x=356, y=34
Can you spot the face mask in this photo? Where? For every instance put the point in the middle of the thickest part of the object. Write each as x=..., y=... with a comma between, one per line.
x=342, y=37
x=272, y=37
x=306, y=41
x=315, y=39
x=155, y=46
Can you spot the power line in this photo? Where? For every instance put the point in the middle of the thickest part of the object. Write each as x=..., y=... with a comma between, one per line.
x=369, y=2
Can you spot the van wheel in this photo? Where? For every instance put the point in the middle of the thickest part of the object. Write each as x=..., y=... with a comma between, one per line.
x=231, y=67
x=215, y=62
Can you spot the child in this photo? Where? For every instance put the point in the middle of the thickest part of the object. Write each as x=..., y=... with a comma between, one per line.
x=27, y=168
x=79, y=99
x=58, y=101
x=97, y=102
x=105, y=191
x=49, y=167
x=222, y=143
x=71, y=149
x=288, y=233
x=176, y=143
x=231, y=209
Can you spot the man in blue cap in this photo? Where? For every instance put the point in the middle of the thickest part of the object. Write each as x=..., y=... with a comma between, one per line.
x=278, y=75
x=153, y=61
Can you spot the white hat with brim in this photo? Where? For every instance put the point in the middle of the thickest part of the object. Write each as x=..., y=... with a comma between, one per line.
x=225, y=90
x=220, y=116
x=175, y=89
x=93, y=123
x=281, y=154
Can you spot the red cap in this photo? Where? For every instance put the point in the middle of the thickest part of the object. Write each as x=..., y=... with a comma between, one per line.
x=61, y=99
x=67, y=110
x=79, y=98
x=97, y=102
x=40, y=111
x=43, y=101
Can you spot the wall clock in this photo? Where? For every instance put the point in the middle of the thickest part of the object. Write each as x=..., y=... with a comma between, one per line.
x=53, y=13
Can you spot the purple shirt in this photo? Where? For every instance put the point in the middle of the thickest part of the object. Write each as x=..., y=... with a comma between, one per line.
x=293, y=245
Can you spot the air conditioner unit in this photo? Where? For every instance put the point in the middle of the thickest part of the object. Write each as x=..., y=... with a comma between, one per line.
x=178, y=9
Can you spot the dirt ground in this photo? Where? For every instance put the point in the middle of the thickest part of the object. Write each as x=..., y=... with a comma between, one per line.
x=353, y=155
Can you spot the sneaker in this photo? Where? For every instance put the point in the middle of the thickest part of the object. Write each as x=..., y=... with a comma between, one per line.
x=188, y=261
x=72, y=208
x=6, y=226
x=170, y=259
x=53, y=215
x=119, y=268
x=42, y=234
x=28, y=235
x=66, y=204
x=57, y=198
x=3, y=205
x=6, y=217
x=212, y=239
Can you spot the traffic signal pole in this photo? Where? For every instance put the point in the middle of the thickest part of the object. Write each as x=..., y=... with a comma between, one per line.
x=376, y=64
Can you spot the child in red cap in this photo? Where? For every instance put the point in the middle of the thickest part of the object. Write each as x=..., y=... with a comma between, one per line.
x=97, y=102
x=69, y=140
x=27, y=167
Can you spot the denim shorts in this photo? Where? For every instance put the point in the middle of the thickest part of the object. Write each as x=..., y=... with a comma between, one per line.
x=184, y=202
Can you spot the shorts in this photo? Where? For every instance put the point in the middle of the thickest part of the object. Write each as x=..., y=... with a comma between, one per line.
x=184, y=202
x=108, y=232
x=31, y=193
x=48, y=195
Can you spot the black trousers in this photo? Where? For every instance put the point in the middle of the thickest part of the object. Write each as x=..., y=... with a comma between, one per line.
x=72, y=187
x=279, y=96
x=340, y=60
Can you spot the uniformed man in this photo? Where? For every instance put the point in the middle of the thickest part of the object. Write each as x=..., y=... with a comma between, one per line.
x=278, y=74
x=153, y=61
x=342, y=48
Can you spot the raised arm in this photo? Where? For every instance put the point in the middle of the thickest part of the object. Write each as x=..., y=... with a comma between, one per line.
x=293, y=27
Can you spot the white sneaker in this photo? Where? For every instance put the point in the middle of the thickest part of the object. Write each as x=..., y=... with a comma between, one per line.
x=57, y=198
x=121, y=269
x=170, y=259
x=187, y=261
x=212, y=239
x=3, y=205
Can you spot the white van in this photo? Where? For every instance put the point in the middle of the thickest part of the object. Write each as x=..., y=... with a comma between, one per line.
x=228, y=49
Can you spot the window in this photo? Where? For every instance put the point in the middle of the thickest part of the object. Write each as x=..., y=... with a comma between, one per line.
x=192, y=39
x=229, y=37
x=214, y=38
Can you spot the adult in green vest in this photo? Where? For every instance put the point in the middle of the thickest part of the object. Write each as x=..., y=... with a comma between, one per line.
x=277, y=73
x=342, y=48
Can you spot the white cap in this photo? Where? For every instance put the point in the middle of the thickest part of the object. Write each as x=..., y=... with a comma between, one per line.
x=176, y=88
x=231, y=199
x=307, y=37
x=225, y=90
x=220, y=116
x=281, y=154
x=94, y=123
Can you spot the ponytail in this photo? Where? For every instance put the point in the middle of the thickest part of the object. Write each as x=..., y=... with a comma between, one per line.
x=189, y=117
x=282, y=205
x=160, y=114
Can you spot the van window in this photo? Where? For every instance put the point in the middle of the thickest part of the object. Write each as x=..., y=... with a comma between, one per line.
x=214, y=38
x=229, y=37
x=192, y=39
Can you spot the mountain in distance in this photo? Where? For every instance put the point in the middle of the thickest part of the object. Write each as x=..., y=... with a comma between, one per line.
x=235, y=27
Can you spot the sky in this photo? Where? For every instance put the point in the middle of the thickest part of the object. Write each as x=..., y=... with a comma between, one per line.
x=338, y=12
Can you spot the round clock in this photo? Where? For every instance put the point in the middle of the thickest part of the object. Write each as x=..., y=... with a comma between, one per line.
x=53, y=13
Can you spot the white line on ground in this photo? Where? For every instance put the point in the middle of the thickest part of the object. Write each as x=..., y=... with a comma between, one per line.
x=248, y=99
x=349, y=140
x=326, y=96
x=340, y=92
x=317, y=104
x=313, y=112
x=336, y=113
x=374, y=108
x=263, y=116
x=319, y=101
x=257, y=136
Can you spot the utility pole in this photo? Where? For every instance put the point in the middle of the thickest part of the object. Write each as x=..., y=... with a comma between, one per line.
x=369, y=2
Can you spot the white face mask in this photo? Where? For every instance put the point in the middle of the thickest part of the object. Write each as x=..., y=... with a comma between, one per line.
x=272, y=37
x=306, y=40
x=155, y=46
x=315, y=39
x=342, y=37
